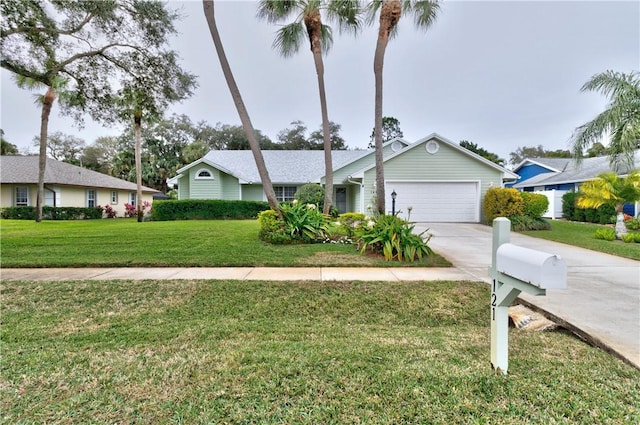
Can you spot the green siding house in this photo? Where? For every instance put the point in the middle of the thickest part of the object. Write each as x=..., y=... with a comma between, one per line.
x=435, y=179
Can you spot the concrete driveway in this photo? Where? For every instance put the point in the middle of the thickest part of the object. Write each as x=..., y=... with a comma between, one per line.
x=602, y=299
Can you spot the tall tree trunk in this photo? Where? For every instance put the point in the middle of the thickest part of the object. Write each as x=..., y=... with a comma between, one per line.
x=137, y=126
x=242, y=110
x=389, y=17
x=47, y=103
x=314, y=28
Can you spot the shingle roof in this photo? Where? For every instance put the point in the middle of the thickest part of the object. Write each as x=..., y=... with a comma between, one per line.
x=587, y=170
x=284, y=166
x=24, y=170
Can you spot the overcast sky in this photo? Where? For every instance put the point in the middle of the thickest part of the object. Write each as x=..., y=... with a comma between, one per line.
x=500, y=74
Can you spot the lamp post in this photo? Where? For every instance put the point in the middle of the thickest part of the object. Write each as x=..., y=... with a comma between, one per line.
x=393, y=202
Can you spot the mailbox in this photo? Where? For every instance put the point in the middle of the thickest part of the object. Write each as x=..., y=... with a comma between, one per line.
x=543, y=270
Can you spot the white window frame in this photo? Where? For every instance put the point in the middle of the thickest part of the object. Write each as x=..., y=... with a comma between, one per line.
x=204, y=170
x=16, y=197
x=90, y=198
x=114, y=197
x=284, y=193
x=132, y=198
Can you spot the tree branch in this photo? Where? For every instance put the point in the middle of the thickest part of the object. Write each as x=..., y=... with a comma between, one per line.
x=22, y=30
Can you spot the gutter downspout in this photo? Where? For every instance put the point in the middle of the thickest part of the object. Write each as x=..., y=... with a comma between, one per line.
x=54, y=195
x=361, y=192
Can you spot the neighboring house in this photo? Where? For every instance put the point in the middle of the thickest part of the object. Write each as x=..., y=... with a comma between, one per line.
x=65, y=185
x=434, y=178
x=556, y=176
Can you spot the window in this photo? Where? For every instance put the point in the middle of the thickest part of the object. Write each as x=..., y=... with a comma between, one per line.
x=22, y=197
x=203, y=173
x=114, y=197
x=285, y=193
x=132, y=198
x=91, y=198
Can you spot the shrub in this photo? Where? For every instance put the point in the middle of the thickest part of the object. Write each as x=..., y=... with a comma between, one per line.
x=109, y=212
x=632, y=223
x=606, y=234
x=502, y=202
x=272, y=228
x=206, y=209
x=605, y=214
x=349, y=222
x=310, y=193
x=304, y=222
x=631, y=237
x=521, y=223
x=53, y=213
x=535, y=204
x=394, y=238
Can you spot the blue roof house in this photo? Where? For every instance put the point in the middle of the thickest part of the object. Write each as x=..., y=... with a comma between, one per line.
x=556, y=176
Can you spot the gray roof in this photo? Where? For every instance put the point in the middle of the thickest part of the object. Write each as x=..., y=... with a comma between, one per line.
x=574, y=173
x=24, y=170
x=285, y=166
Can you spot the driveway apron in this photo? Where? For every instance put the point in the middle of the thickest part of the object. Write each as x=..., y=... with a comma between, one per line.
x=602, y=299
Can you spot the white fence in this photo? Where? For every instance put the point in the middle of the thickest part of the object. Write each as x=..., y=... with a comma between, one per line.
x=555, y=203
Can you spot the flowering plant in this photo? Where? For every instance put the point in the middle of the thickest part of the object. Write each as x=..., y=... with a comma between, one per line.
x=394, y=238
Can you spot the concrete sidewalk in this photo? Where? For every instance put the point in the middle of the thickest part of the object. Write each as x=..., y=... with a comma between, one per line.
x=391, y=274
x=602, y=300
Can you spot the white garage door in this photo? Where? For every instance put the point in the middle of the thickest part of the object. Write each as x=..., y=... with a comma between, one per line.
x=455, y=202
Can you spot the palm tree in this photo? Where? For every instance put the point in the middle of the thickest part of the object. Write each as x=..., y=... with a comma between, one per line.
x=54, y=85
x=424, y=13
x=308, y=21
x=610, y=189
x=620, y=120
x=242, y=110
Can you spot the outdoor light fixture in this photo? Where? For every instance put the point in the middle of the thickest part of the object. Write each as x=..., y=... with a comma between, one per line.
x=393, y=202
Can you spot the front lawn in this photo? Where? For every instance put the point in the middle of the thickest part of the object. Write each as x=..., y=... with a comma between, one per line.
x=582, y=235
x=196, y=243
x=228, y=352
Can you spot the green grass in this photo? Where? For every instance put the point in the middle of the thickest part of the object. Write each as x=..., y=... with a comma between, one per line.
x=228, y=352
x=582, y=235
x=201, y=243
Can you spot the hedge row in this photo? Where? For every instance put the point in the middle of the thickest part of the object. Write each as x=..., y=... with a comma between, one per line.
x=52, y=213
x=206, y=209
x=606, y=214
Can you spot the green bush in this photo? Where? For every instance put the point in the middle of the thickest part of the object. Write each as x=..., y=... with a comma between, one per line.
x=392, y=237
x=502, y=202
x=605, y=214
x=631, y=237
x=349, y=222
x=521, y=223
x=310, y=193
x=632, y=223
x=305, y=222
x=535, y=204
x=606, y=234
x=206, y=209
x=53, y=213
x=272, y=228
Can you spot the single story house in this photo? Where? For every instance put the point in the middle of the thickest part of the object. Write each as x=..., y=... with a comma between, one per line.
x=556, y=176
x=435, y=179
x=65, y=185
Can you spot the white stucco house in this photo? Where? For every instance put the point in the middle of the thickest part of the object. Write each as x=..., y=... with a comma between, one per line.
x=434, y=178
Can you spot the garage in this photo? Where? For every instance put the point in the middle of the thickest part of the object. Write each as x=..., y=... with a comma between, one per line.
x=436, y=201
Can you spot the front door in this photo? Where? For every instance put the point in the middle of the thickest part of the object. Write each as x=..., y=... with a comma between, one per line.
x=340, y=199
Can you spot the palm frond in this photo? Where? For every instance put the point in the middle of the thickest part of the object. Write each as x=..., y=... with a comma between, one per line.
x=274, y=11
x=371, y=10
x=289, y=38
x=424, y=12
x=346, y=14
x=326, y=38
x=613, y=84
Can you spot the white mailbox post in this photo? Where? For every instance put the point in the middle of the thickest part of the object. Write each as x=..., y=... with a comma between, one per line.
x=515, y=269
